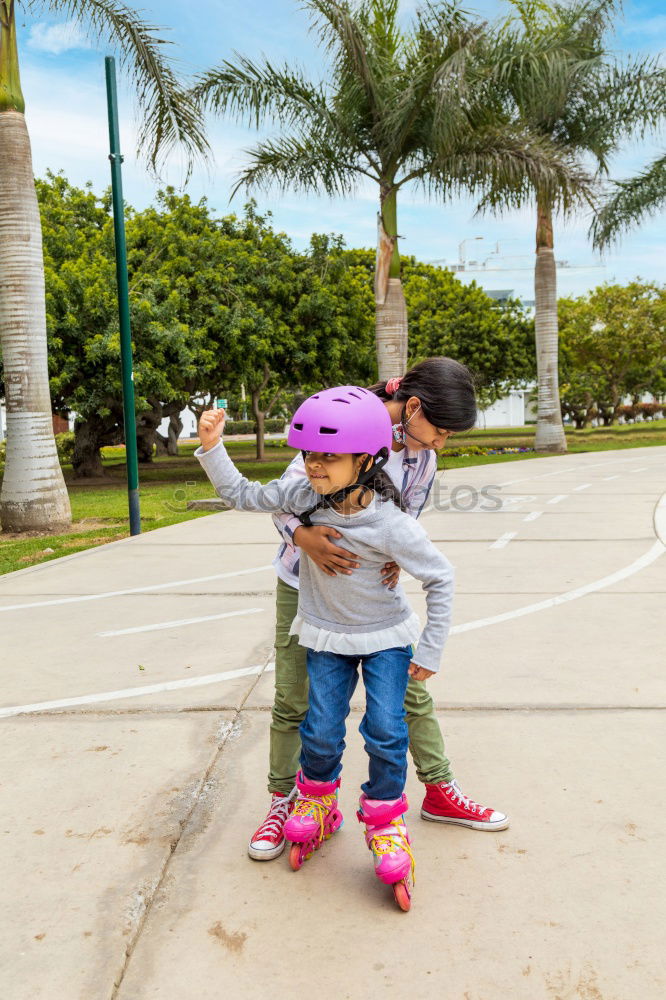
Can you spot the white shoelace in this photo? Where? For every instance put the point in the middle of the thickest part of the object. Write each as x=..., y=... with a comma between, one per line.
x=465, y=801
x=277, y=815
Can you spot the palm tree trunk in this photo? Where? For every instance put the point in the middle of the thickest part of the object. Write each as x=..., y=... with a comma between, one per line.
x=390, y=307
x=33, y=494
x=550, y=430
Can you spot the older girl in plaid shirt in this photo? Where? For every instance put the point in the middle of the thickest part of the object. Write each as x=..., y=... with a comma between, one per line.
x=433, y=400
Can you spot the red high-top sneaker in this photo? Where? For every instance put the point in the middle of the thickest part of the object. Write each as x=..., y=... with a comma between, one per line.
x=268, y=840
x=446, y=803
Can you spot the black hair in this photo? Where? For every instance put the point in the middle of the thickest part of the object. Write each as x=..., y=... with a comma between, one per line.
x=383, y=486
x=445, y=389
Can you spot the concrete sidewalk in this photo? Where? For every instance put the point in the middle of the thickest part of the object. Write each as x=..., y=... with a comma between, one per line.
x=136, y=687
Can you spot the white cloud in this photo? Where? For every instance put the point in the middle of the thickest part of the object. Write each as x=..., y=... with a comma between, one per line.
x=57, y=38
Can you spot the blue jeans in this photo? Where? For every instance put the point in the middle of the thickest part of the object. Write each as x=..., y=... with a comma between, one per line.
x=333, y=679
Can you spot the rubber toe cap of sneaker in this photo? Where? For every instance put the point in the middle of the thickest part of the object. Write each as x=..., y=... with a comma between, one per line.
x=265, y=850
x=264, y=845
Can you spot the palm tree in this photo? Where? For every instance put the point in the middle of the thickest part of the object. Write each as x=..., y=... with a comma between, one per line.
x=33, y=489
x=629, y=203
x=397, y=107
x=565, y=86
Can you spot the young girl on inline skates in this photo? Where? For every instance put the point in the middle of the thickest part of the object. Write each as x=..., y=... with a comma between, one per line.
x=345, y=435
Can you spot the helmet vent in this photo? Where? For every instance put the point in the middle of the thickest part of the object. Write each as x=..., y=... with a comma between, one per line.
x=342, y=401
x=355, y=395
x=328, y=430
x=298, y=427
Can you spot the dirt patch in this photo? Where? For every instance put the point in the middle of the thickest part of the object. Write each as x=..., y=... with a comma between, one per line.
x=86, y=524
x=234, y=942
x=64, y=547
x=101, y=831
x=140, y=839
x=566, y=984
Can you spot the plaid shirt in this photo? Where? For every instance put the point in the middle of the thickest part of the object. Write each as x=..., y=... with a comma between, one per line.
x=419, y=468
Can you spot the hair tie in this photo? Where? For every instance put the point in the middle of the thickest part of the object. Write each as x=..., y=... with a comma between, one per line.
x=392, y=385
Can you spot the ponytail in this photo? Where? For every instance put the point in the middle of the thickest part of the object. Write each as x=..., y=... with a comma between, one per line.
x=444, y=387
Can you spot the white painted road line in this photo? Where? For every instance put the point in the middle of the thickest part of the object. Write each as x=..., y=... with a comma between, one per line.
x=646, y=559
x=585, y=486
x=591, y=465
x=135, y=590
x=542, y=475
x=181, y=621
x=532, y=516
x=503, y=540
x=607, y=479
x=140, y=692
x=649, y=557
x=560, y=496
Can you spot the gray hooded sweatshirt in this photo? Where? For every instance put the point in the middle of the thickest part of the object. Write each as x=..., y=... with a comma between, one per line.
x=359, y=603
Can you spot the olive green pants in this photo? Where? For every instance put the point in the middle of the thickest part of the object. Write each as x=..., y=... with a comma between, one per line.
x=291, y=703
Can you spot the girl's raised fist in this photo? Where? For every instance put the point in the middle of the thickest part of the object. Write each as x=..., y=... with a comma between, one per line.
x=211, y=426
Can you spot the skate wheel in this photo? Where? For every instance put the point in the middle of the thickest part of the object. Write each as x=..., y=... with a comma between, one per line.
x=402, y=895
x=295, y=857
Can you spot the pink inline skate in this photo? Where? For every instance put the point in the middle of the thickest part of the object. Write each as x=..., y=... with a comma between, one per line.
x=386, y=836
x=314, y=818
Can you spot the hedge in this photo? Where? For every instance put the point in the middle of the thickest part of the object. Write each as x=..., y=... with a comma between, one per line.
x=274, y=425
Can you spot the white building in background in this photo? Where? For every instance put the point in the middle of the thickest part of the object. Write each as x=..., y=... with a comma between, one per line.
x=189, y=425
x=513, y=410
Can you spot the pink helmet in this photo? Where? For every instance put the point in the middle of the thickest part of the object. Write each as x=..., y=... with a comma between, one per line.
x=346, y=419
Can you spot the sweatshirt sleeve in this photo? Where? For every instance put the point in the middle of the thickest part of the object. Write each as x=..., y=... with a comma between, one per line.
x=286, y=524
x=294, y=496
x=408, y=544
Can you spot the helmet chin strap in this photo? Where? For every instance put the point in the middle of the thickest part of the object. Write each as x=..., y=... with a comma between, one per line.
x=406, y=433
x=370, y=465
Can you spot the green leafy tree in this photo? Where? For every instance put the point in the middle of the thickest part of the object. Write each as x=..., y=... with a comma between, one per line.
x=495, y=340
x=295, y=319
x=33, y=491
x=174, y=300
x=614, y=345
x=214, y=302
x=398, y=107
x=554, y=66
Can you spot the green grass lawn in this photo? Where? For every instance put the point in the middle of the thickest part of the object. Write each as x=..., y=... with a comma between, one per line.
x=99, y=507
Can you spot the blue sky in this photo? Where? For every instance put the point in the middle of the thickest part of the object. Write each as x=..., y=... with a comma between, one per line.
x=63, y=81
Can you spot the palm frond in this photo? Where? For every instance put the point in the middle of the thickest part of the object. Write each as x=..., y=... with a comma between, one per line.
x=435, y=76
x=629, y=98
x=256, y=92
x=341, y=32
x=259, y=93
x=630, y=203
x=506, y=168
x=169, y=117
x=304, y=162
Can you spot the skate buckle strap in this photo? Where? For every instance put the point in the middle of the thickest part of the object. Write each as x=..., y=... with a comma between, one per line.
x=386, y=843
x=315, y=807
